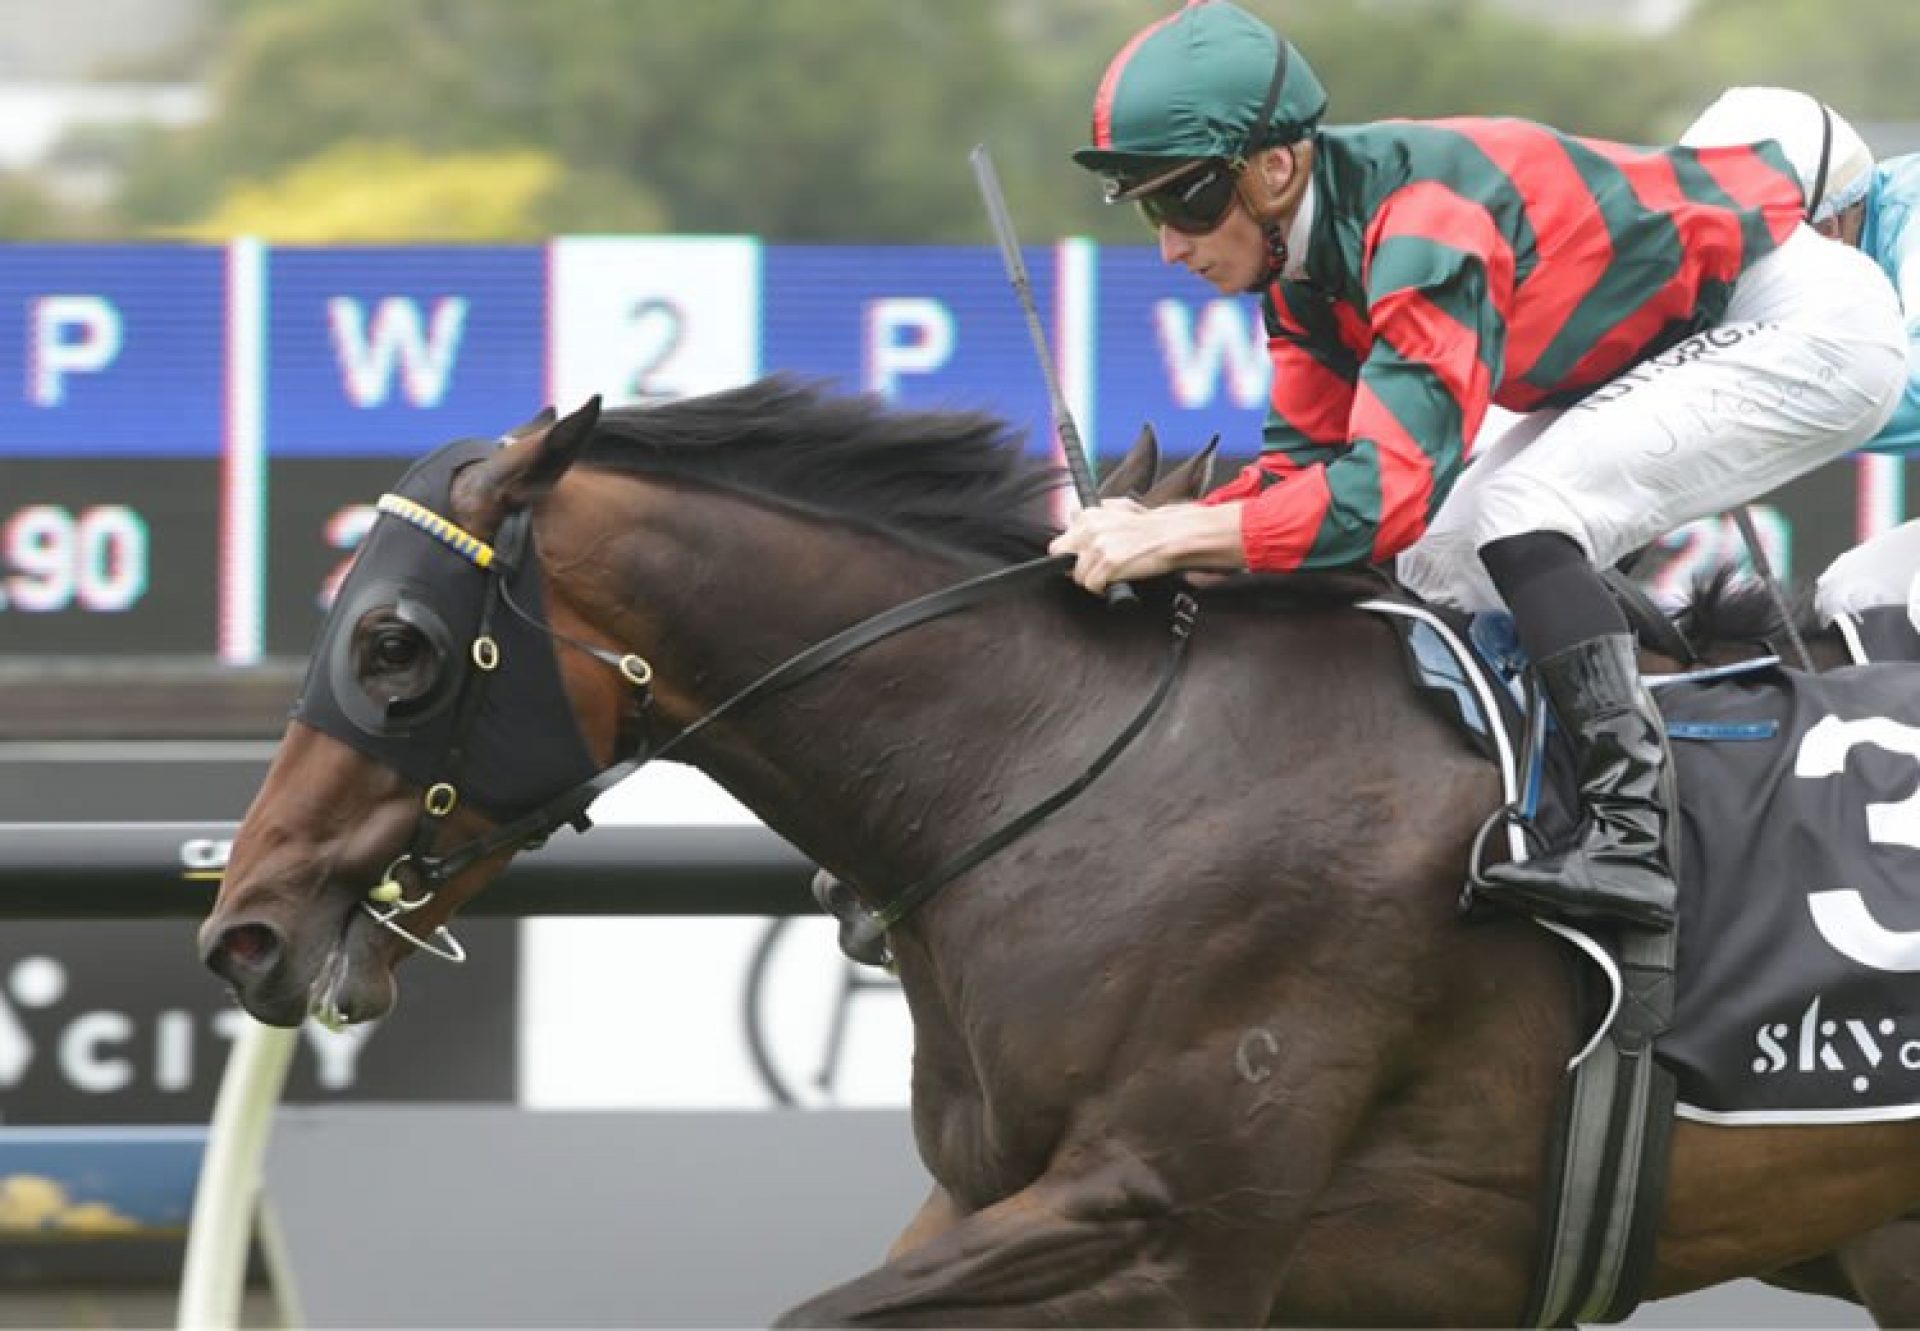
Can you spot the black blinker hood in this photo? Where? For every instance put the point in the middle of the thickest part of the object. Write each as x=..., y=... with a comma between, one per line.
x=522, y=745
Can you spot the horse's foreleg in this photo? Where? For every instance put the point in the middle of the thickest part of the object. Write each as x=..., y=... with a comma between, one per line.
x=1073, y=1253
x=1880, y=1270
x=938, y=1214
x=1883, y=1267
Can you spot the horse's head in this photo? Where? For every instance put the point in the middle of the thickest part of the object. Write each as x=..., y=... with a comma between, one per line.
x=382, y=811
x=469, y=690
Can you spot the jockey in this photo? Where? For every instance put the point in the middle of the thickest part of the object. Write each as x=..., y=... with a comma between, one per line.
x=1874, y=208
x=1678, y=340
x=1886, y=227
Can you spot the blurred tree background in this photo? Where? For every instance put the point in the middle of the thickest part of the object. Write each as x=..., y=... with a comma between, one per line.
x=842, y=120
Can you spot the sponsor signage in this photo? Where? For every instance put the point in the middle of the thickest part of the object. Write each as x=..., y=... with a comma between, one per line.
x=116, y=1022
x=688, y=1013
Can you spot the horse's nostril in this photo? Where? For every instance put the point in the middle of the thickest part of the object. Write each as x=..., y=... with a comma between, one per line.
x=245, y=950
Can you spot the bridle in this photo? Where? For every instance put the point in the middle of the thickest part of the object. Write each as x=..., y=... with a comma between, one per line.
x=388, y=903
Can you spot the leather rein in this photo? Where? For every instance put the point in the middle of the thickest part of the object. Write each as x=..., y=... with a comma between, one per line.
x=430, y=871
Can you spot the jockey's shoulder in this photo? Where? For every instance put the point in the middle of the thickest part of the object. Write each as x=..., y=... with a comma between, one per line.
x=1896, y=182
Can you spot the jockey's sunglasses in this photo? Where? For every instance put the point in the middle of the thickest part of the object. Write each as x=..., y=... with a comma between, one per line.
x=1193, y=198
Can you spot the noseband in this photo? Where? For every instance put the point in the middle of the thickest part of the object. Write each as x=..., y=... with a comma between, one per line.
x=387, y=902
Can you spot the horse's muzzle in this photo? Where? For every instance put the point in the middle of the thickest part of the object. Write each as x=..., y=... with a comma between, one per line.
x=252, y=958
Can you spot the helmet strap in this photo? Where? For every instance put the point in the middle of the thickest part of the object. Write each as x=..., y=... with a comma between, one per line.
x=1277, y=255
x=1819, y=194
x=1274, y=230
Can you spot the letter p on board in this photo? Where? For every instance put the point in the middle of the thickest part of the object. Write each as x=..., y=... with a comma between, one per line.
x=70, y=335
x=905, y=335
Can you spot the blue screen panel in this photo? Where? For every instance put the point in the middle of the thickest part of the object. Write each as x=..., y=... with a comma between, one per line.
x=391, y=352
x=930, y=326
x=1173, y=352
x=113, y=351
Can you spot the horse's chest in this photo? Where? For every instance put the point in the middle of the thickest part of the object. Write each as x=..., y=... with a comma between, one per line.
x=977, y=1149
x=976, y=1156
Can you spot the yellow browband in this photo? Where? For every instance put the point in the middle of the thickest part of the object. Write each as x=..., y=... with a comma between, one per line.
x=464, y=543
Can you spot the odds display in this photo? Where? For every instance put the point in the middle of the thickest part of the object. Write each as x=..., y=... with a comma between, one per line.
x=196, y=434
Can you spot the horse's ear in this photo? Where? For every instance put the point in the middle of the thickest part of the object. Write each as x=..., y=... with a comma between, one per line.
x=546, y=418
x=1136, y=470
x=1186, y=482
x=553, y=452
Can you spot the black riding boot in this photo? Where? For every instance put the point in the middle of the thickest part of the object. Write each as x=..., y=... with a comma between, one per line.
x=1617, y=869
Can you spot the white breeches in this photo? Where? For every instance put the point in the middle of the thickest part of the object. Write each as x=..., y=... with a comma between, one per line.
x=1807, y=364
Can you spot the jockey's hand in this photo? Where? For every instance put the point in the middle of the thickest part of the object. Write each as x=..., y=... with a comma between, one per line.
x=1120, y=540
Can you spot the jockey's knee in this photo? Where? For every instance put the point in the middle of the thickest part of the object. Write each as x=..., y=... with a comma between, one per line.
x=1444, y=567
x=1519, y=503
x=1445, y=564
x=1882, y=370
x=1867, y=375
x=1850, y=321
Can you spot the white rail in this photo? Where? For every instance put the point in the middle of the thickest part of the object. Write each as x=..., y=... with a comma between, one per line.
x=220, y=1236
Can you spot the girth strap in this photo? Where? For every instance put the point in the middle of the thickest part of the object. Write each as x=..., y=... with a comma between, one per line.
x=1606, y=1188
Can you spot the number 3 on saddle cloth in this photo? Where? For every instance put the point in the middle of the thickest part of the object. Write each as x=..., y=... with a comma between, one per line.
x=1798, y=982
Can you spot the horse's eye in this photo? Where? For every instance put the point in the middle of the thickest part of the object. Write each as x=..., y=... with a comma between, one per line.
x=396, y=648
x=396, y=667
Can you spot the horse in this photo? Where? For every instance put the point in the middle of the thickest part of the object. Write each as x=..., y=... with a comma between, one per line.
x=1209, y=1043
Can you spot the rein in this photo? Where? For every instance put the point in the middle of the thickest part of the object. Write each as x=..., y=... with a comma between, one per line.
x=531, y=829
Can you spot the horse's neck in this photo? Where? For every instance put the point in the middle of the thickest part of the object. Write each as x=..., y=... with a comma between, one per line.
x=895, y=757
x=899, y=756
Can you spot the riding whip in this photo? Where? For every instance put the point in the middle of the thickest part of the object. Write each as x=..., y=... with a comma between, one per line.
x=1763, y=567
x=1069, y=434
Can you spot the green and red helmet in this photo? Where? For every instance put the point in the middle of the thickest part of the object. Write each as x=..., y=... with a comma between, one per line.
x=1209, y=81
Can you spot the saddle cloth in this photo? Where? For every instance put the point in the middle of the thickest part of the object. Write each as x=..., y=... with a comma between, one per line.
x=1798, y=999
x=1883, y=633
x=1799, y=870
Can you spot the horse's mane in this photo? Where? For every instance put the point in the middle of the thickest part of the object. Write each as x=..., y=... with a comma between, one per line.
x=1727, y=609
x=961, y=480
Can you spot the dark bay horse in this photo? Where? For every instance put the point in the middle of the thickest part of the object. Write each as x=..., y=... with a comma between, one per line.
x=1209, y=1045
